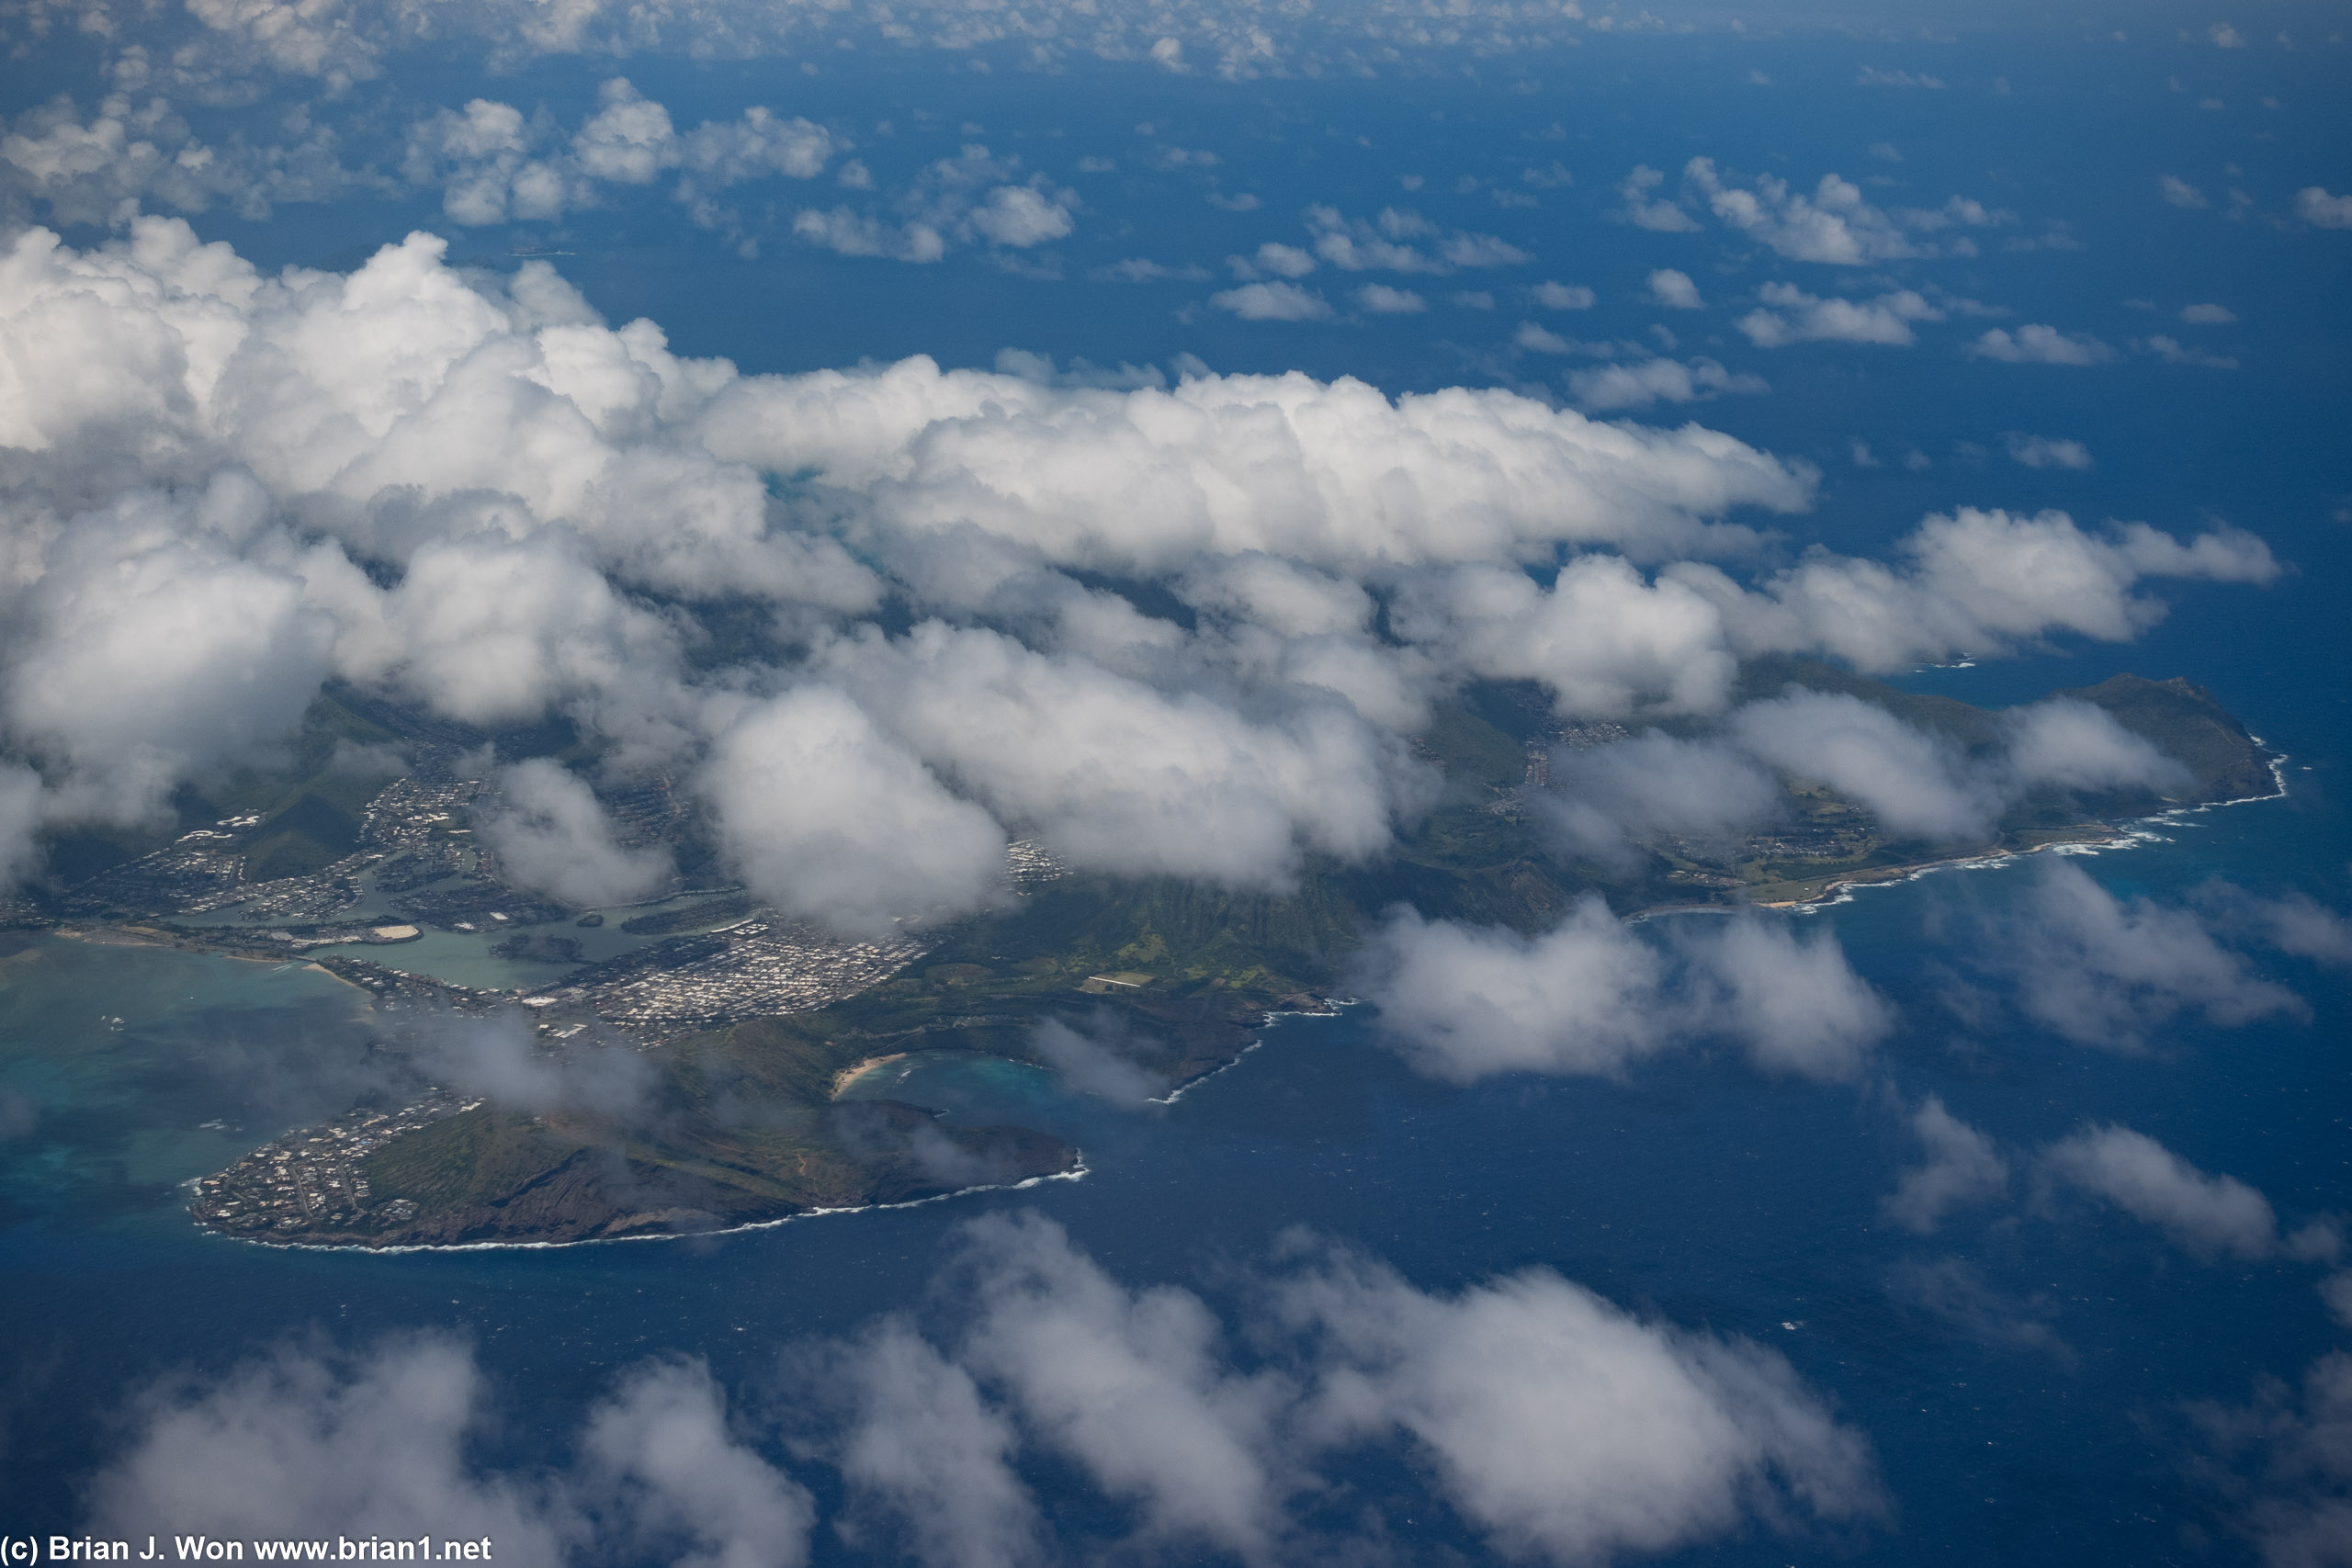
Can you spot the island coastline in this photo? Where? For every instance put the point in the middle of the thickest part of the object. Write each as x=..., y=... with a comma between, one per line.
x=1191, y=1011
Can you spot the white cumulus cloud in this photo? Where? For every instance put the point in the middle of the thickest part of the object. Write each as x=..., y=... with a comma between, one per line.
x=2037, y=344
x=1791, y=315
x=1674, y=290
x=2209, y=1215
x=1273, y=302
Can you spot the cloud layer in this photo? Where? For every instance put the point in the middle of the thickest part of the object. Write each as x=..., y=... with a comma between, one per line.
x=1591, y=997
x=1552, y=1423
x=1168, y=629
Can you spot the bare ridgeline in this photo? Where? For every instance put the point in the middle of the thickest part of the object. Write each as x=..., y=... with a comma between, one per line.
x=740, y=1029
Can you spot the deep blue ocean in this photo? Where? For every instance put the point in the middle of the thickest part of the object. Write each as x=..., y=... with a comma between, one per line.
x=1697, y=1191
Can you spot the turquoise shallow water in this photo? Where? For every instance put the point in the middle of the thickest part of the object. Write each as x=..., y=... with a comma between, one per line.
x=131, y=1070
x=1697, y=1190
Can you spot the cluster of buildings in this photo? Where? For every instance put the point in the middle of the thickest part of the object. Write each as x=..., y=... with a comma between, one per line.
x=413, y=834
x=1539, y=749
x=1822, y=829
x=1030, y=865
x=390, y=985
x=204, y=870
x=407, y=813
x=196, y=873
x=320, y=895
x=758, y=967
x=316, y=1178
